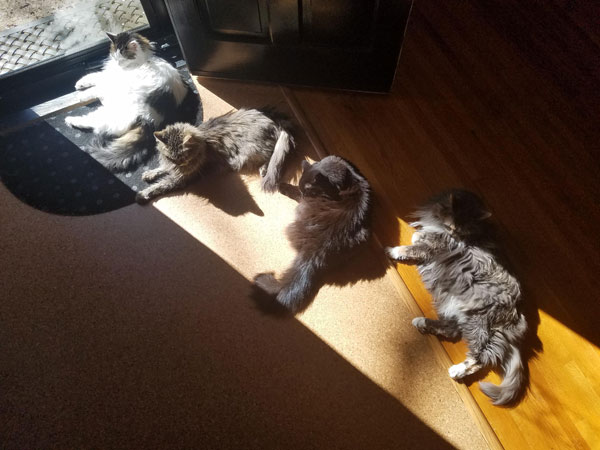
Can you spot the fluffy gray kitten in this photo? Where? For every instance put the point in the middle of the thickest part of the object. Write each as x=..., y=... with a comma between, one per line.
x=474, y=295
x=332, y=219
x=243, y=139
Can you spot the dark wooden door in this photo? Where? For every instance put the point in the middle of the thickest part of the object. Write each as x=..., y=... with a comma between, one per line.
x=348, y=44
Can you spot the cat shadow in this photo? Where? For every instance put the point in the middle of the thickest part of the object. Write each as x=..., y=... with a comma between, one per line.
x=361, y=264
x=226, y=191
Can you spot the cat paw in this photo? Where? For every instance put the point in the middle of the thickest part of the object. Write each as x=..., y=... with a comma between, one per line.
x=457, y=371
x=397, y=253
x=267, y=282
x=84, y=83
x=86, y=96
x=77, y=122
x=150, y=175
x=420, y=323
x=416, y=237
x=141, y=198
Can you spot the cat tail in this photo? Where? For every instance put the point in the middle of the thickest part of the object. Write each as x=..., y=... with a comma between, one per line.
x=121, y=153
x=285, y=142
x=296, y=286
x=514, y=379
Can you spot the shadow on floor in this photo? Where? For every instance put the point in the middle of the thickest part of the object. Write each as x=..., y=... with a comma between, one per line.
x=115, y=337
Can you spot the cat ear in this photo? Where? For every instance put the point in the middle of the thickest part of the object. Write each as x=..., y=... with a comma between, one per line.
x=159, y=135
x=485, y=215
x=111, y=36
x=305, y=164
x=189, y=141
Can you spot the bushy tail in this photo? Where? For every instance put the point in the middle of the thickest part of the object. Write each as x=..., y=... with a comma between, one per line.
x=119, y=154
x=512, y=385
x=284, y=144
x=296, y=286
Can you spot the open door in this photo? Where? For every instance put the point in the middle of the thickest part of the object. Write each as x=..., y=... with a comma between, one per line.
x=348, y=44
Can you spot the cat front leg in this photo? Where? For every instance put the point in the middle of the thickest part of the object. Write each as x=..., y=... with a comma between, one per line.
x=87, y=95
x=88, y=81
x=166, y=184
x=89, y=121
x=407, y=253
x=291, y=191
x=150, y=175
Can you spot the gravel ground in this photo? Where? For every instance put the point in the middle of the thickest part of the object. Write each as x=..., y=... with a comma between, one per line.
x=19, y=12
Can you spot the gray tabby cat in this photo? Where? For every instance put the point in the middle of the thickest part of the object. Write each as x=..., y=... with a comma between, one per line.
x=474, y=295
x=243, y=139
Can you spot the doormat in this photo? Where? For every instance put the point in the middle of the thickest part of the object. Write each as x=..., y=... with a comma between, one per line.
x=45, y=166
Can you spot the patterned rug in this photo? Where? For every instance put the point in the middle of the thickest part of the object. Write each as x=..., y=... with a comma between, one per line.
x=45, y=166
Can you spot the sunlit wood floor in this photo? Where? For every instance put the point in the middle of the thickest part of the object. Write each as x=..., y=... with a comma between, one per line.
x=501, y=98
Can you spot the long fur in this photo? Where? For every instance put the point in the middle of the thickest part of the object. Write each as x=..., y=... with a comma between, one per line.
x=282, y=147
x=332, y=218
x=127, y=150
x=140, y=93
x=512, y=385
x=247, y=139
x=474, y=295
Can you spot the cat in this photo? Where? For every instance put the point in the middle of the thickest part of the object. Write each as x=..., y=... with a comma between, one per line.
x=332, y=218
x=243, y=139
x=140, y=93
x=474, y=295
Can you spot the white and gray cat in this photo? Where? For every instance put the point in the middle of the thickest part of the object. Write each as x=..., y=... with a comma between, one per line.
x=139, y=92
x=474, y=295
x=243, y=139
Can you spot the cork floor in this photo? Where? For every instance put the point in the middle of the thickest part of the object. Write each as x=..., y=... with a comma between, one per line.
x=133, y=329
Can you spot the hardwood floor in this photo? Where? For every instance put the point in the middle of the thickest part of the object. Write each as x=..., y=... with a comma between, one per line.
x=501, y=98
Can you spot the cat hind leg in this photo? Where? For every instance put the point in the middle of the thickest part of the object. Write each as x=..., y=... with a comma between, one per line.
x=445, y=328
x=468, y=367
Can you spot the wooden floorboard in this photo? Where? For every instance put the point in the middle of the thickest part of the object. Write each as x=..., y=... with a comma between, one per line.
x=501, y=98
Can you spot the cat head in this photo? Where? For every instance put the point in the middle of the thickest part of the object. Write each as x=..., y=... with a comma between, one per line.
x=129, y=48
x=179, y=143
x=458, y=212
x=326, y=178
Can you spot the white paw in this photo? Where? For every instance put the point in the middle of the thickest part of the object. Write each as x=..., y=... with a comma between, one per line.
x=396, y=253
x=87, y=95
x=77, y=122
x=457, y=371
x=416, y=237
x=391, y=252
x=419, y=323
x=84, y=83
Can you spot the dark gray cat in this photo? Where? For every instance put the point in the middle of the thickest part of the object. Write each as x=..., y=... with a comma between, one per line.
x=475, y=297
x=243, y=139
x=332, y=219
